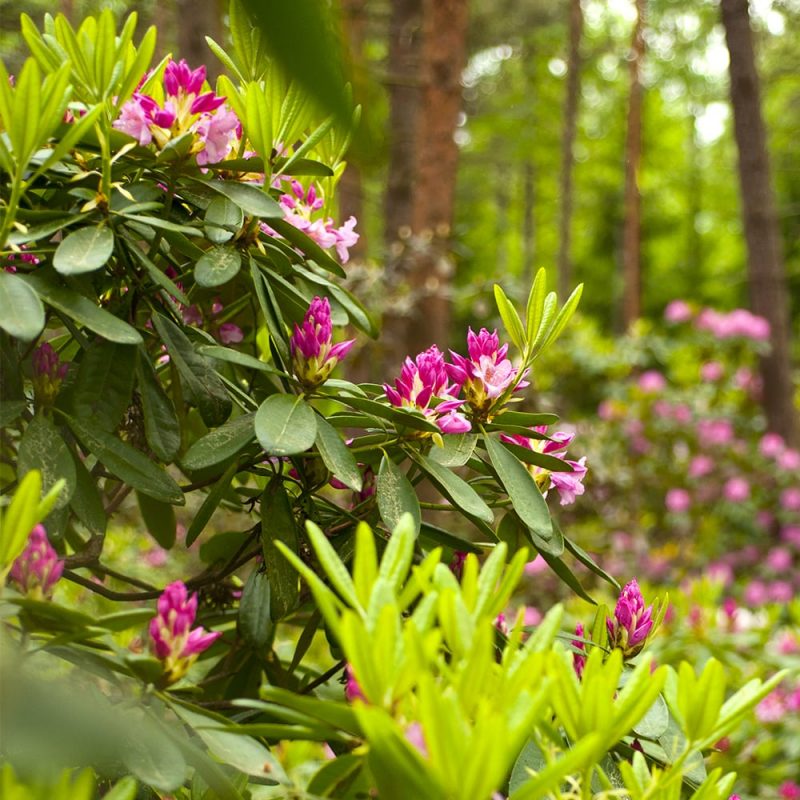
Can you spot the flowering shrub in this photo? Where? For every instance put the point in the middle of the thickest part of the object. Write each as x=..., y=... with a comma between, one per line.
x=172, y=341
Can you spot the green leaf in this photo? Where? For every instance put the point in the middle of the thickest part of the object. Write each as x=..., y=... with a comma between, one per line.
x=278, y=525
x=535, y=306
x=124, y=789
x=337, y=456
x=23, y=313
x=334, y=568
x=220, y=444
x=443, y=538
x=222, y=220
x=511, y=320
x=250, y=199
x=128, y=464
x=523, y=492
x=457, y=450
x=84, y=250
x=564, y=316
x=204, y=388
x=210, y=504
x=458, y=491
x=255, y=621
x=285, y=425
x=103, y=389
x=306, y=245
x=42, y=448
x=231, y=356
x=86, y=503
x=11, y=411
x=655, y=722
x=154, y=759
x=396, y=495
x=83, y=310
x=566, y=575
x=161, y=426
x=217, y=266
x=159, y=519
x=335, y=776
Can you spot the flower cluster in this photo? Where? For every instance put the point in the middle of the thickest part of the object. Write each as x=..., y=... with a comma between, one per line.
x=48, y=373
x=739, y=323
x=301, y=209
x=632, y=622
x=27, y=258
x=423, y=386
x=186, y=109
x=38, y=568
x=486, y=375
x=313, y=353
x=569, y=484
x=172, y=638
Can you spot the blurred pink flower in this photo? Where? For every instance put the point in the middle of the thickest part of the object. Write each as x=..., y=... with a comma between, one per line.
x=536, y=566
x=791, y=535
x=790, y=499
x=736, y=490
x=772, y=708
x=652, y=381
x=789, y=460
x=678, y=501
x=755, y=593
x=780, y=591
x=416, y=738
x=712, y=371
x=720, y=572
x=700, y=466
x=352, y=689
x=779, y=559
x=532, y=616
x=771, y=445
x=38, y=568
x=715, y=431
x=789, y=790
x=230, y=333
x=579, y=659
x=678, y=311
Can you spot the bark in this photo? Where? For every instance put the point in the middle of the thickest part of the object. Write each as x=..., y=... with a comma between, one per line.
x=443, y=59
x=405, y=38
x=568, y=144
x=196, y=20
x=766, y=271
x=631, y=234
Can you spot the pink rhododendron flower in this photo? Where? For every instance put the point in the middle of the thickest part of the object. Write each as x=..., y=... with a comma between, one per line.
x=38, y=568
x=632, y=622
x=791, y=535
x=715, y=431
x=579, y=659
x=712, y=371
x=771, y=445
x=457, y=563
x=352, y=689
x=568, y=484
x=738, y=323
x=652, y=381
x=772, y=708
x=678, y=501
x=229, y=333
x=49, y=372
x=790, y=499
x=531, y=616
x=778, y=559
x=172, y=638
x=756, y=593
x=217, y=132
x=780, y=591
x=422, y=380
x=736, y=490
x=700, y=466
x=486, y=374
x=678, y=311
x=789, y=790
x=346, y=237
x=789, y=460
x=135, y=121
x=416, y=738
x=314, y=355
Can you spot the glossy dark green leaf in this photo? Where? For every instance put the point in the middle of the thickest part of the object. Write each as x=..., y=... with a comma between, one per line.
x=161, y=425
x=543, y=460
x=285, y=425
x=565, y=574
x=457, y=450
x=86, y=503
x=522, y=490
x=252, y=200
x=220, y=444
x=210, y=505
x=402, y=419
x=218, y=265
x=335, y=775
x=11, y=411
x=231, y=356
x=222, y=220
x=127, y=463
x=396, y=495
x=525, y=419
x=22, y=313
x=278, y=524
x=455, y=489
x=102, y=391
x=255, y=620
x=158, y=276
x=84, y=250
x=442, y=538
x=159, y=519
x=203, y=387
x=337, y=456
x=43, y=448
x=83, y=310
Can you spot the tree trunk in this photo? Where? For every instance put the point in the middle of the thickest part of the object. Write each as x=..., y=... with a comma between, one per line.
x=766, y=272
x=631, y=234
x=528, y=221
x=443, y=59
x=405, y=37
x=195, y=21
x=568, y=143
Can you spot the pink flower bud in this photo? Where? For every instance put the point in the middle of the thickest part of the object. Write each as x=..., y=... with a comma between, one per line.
x=632, y=621
x=313, y=353
x=38, y=567
x=579, y=659
x=352, y=690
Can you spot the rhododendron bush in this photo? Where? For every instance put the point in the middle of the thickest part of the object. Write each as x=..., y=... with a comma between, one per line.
x=172, y=328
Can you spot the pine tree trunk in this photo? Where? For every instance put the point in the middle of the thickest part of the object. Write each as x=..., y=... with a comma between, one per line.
x=405, y=39
x=568, y=144
x=443, y=59
x=631, y=235
x=767, y=276
x=196, y=20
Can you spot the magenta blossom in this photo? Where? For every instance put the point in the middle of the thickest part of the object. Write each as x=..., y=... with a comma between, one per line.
x=569, y=484
x=172, y=638
x=38, y=567
x=352, y=689
x=678, y=311
x=652, y=381
x=736, y=490
x=579, y=658
x=216, y=135
x=313, y=353
x=48, y=373
x=486, y=375
x=423, y=380
x=632, y=621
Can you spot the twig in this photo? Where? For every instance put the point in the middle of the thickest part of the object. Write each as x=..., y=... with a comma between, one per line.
x=324, y=678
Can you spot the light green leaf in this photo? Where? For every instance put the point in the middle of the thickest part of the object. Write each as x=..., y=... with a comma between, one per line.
x=84, y=250
x=511, y=320
x=217, y=266
x=337, y=456
x=285, y=425
x=220, y=444
x=396, y=495
x=250, y=199
x=23, y=314
x=42, y=448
